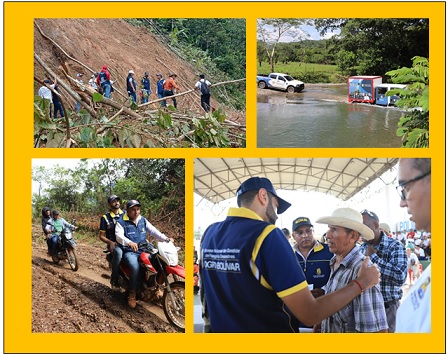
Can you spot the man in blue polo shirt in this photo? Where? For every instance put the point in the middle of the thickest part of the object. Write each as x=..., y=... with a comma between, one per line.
x=251, y=279
x=130, y=230
x=313, y=256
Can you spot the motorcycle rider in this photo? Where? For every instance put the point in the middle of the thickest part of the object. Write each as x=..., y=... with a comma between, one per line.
x=130, y=230
x=107, y=235
x=53, y=229
x=46, y=216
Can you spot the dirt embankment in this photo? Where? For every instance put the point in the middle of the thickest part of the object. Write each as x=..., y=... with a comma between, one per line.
x=82, y=301
x=95, y=42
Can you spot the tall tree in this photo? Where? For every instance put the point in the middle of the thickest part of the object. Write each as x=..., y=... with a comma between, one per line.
x=372, y=46
x=271, y=30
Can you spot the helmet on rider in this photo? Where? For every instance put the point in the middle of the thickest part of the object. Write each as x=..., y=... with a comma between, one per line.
x=55, y=212
x=112, y=198
x=132, y=203
x=45, y=210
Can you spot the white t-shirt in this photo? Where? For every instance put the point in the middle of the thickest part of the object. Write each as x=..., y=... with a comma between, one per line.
x=420, y=252
x=45, y=92
x=198, y=84
x=413, y=256
x=414, y=313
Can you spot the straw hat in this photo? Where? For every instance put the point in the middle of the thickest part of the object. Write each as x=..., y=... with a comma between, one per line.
x=385, y=227
x=349, y=218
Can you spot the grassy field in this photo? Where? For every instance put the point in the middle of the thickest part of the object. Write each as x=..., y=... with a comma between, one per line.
x=310, y=73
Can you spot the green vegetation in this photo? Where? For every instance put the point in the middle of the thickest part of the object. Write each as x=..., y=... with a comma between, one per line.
x=363, y=47
x=271, y=31
x=374, y=46
x=213, y=46
x=163, y=128
x=158, y=184
x=306, y=72
x=414, y=125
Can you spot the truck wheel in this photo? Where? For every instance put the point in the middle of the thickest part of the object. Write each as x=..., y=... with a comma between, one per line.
x=291, y=89
x=262, y=84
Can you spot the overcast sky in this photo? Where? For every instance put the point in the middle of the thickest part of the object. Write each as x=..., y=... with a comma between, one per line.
x=307, y=32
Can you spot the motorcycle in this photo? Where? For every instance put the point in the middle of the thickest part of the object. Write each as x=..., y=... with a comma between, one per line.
x=66, y=248
x=156, y=266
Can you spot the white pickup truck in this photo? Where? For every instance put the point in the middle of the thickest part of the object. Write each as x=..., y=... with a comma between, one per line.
x=280, y=81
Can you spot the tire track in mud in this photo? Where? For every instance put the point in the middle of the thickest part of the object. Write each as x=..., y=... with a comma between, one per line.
x=67, y=301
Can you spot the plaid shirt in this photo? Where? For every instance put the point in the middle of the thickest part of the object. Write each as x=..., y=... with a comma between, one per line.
x=392, y=261
x=366, y=312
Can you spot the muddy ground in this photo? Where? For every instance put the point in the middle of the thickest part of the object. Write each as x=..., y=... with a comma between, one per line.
x=82, y=301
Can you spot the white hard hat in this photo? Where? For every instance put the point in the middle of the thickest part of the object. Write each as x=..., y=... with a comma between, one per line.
x=131, y=71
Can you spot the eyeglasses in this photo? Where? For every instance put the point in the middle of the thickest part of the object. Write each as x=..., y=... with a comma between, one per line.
x=371, y=214
x=402, y=191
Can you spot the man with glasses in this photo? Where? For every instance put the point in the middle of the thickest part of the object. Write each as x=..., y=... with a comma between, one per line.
x=390, y=257
x=251, y=279
x=414, y=188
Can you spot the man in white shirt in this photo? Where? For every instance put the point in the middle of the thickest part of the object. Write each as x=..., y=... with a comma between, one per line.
x=203, y=86
x=414, y=188
x=46, y=94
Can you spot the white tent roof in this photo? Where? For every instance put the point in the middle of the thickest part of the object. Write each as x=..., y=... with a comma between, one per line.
x=217, y=179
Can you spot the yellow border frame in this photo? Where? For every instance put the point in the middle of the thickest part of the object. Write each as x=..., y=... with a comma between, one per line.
x=19, y=152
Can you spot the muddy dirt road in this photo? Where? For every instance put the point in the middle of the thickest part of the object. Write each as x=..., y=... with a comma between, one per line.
x=82, y=301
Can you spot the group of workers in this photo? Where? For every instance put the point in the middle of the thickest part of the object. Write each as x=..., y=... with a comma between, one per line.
x=101, y=82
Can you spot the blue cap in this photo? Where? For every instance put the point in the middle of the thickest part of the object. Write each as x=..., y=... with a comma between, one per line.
x=256, y=183
x=132, y=203
x=301, y=221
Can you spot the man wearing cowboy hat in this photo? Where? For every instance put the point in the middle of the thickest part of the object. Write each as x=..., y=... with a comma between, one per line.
x=414, y=188
x=251, y=279
x=169, y=88
x=390, y=257
x=366, y=312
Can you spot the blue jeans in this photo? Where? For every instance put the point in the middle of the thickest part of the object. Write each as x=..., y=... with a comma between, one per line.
x=131, y=259
x=52, y=243
x=133, y=95
x=163, y=103
x=106, y=90
x=58, y=108
x=145, y=99
x=117, y=254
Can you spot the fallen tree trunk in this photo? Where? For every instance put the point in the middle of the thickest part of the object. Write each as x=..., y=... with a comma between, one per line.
x=69, y=56
x=66, y=87
x=187, y=92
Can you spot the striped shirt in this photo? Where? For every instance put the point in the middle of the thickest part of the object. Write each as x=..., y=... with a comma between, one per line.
x=366, y=312
x=391, y=260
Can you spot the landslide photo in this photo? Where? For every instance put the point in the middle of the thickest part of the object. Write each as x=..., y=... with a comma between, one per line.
x=139, y=82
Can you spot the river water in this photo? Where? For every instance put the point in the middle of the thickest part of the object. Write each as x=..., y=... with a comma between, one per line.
x=321, y=116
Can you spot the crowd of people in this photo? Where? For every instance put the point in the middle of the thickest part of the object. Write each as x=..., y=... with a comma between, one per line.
x=352, y=281
x=101, y=82
x=121, y=230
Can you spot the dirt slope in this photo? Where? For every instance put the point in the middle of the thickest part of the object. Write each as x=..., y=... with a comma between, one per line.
x=113, y=42
x=82, y=301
